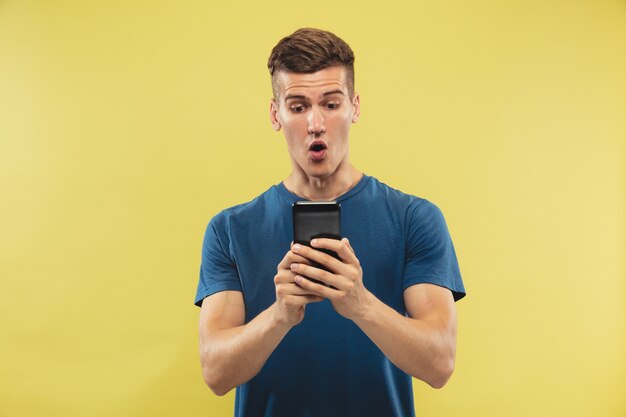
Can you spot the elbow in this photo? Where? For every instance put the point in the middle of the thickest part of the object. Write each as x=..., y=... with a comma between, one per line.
x=441, y=375
x=214, y=382
x=220, y=392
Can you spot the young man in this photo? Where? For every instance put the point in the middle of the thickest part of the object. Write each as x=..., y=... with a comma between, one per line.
x=291, y=346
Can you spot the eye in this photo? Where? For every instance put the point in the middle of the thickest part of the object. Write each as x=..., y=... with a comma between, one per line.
x=332, y=106
x=297, y=109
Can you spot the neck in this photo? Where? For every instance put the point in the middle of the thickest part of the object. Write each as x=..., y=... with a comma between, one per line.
x=325, y=188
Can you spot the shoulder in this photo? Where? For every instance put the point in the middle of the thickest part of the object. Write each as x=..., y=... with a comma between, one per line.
x=247, y=212
x=417, y=212
x=406, y=202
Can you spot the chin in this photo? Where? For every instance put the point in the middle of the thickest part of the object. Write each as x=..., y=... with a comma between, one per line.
x=318, y=170
x=321, y=171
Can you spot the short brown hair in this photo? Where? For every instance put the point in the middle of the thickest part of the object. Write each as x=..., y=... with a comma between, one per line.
x=309, y=50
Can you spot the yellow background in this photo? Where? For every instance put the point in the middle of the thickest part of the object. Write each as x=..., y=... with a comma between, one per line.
x=126, y=125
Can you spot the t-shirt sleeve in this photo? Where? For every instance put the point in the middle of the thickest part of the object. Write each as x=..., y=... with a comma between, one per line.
x=218, y=271
x=430, y=255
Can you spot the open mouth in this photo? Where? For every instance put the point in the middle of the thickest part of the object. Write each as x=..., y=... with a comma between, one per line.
x=317, y=146
x=317, y=150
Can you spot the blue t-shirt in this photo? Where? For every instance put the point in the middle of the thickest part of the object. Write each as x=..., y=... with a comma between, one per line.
x=326, y=366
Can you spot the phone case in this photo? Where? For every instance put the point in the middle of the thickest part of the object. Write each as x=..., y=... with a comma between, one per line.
x=316, y=219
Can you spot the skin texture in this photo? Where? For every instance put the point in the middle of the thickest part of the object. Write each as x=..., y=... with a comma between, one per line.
x=422, y=345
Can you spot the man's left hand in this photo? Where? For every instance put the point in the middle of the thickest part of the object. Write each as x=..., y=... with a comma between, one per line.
x=349, y=296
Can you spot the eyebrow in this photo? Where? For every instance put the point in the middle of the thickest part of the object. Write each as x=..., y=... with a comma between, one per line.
x=328, y=93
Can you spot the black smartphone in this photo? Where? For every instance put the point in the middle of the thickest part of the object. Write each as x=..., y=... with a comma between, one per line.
x=316, y=219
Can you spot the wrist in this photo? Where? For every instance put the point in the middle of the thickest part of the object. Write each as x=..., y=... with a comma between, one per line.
x=368, y=308
x=277, y=320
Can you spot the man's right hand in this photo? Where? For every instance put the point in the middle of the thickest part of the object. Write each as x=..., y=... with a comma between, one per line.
x=291, y=299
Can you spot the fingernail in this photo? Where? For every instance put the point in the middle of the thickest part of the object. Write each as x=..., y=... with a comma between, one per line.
x=297, y=247
x=314, y=242
x=293, y=266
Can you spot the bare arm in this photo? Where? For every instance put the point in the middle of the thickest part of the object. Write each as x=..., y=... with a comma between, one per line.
x=422, y=345
x=231, y=352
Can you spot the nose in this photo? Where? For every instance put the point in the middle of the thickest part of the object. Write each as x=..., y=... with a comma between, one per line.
x=316, y=122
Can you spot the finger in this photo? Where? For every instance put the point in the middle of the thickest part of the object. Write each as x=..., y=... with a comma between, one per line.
x=321, y=258
x=290, y=258
x=285, y=277
x=314, y=299
x=349, y=245
x=340, y=247
x=318, y=274
x=292, y=288
x=295, y=258
x=310, y=299
x=318, y=289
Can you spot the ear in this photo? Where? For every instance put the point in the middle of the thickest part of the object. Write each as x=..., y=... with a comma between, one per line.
x=274, y=115
x=356, y=102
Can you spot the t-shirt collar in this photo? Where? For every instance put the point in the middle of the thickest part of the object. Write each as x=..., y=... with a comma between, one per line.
x=292, y=198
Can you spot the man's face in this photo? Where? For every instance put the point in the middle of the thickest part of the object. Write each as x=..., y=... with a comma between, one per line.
x=315, y=113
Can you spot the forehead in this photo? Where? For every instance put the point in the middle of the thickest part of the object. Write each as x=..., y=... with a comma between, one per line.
x=314, y=84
